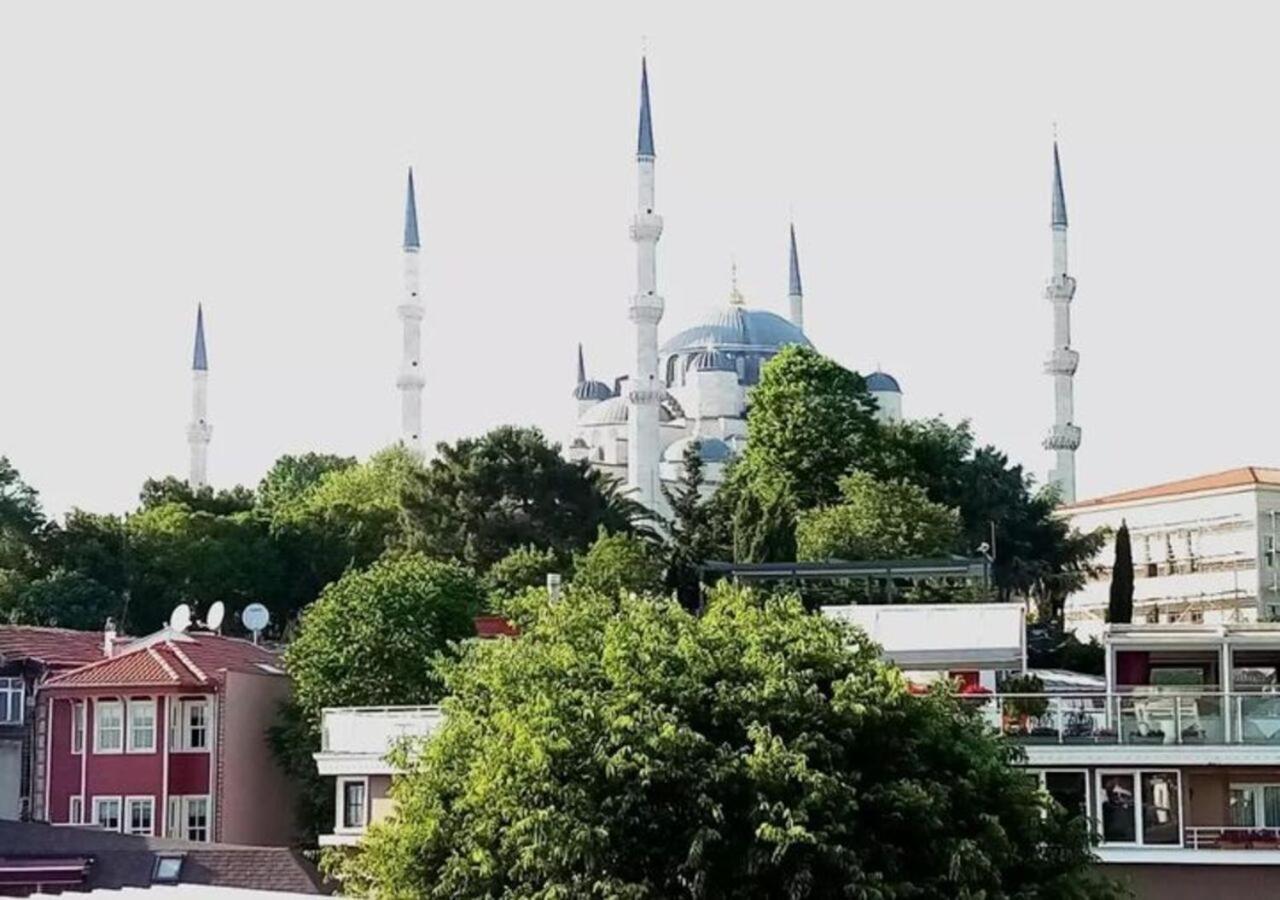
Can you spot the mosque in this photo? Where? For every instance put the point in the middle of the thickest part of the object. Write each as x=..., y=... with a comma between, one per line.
x=693, y=387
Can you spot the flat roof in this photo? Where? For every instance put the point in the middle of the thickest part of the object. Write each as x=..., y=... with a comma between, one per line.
x=955, y=566
x=942, y=635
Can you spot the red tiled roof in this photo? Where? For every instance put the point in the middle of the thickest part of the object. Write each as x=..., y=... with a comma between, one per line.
x=494, y=626
x=1241, y=477
x=172, y=660
x=51, y=646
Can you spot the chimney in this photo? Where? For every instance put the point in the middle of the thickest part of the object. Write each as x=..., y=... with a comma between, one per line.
x=109, y=637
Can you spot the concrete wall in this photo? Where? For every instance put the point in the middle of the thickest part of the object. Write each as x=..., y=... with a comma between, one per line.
x=1191, y=882
x=258, y=800
x=380, y=803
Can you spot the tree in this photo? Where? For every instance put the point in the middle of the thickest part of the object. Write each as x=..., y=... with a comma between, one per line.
x=694, y=538
x=171, y=490
x=290, y=477
x=372, y=638
x=623, y=747
x=22, y=520
x=521, y=569
x=877, y=520
x=1120, y=609
x=481, y=498
x=64, y=600
x=618, y=563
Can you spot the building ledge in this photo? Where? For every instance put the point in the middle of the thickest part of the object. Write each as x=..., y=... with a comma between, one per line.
x=339, y=840
x=1151, y=755
x=1183, y=856
x=330, y=763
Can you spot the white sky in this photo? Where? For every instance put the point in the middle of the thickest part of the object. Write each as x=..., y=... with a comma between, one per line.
x=252, y=156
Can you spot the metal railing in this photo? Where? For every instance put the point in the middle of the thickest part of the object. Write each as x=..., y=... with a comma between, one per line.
x=1158, y=716
x=1231, y=837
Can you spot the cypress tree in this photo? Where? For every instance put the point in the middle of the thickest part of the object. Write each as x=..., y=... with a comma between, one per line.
x=1120, y=609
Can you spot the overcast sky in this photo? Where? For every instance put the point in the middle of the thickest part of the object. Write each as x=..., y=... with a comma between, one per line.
x=252, y=156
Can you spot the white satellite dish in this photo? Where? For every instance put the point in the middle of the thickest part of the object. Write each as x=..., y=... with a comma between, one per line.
x=255, y=618
x=180, y=618
x=217, y=612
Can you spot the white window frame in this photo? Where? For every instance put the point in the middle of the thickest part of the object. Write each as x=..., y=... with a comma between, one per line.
x=98, y=800
x=1259, y=799
x=340, y=824
x=11, y=688
x=179, y=808
x=98, y=706
x=126, y=818
x=1083, y=773
x=77, y=727
x=1140, y=827
x=180, y=729
x=75, y=810
x=140, y=703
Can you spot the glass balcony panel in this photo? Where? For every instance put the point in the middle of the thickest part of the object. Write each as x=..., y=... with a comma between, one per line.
x=1259, y=716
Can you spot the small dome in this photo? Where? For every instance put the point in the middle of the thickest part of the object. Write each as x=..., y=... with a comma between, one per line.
x=710, y=449
x=883, y=383
x=712, y=360
x=614, y=412
x=592, y=390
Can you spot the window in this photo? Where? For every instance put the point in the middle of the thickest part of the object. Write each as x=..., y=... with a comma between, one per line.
x=1068, y=789
x=187, y=818
x=140, y=815
x=189, y=725
x=1255, y=805
x=1140, y=807
x=167, y=869
x=11, y=697
x=77, y=726
x=108, y=717
x=353, y=803
x=1269, y=550
x=75, y=811
x=106, y=813
x=142, y=726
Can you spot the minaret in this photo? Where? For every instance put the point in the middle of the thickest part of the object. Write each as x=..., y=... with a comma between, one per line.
x=199, y=431
x=1064, y=437
x=795, y=293
x=410, y=379
x=645, y=391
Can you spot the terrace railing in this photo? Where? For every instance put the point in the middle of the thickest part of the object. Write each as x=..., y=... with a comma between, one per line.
x=1231, y=837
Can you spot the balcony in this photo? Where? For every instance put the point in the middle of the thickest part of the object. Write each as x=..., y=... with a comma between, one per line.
x=355, y=740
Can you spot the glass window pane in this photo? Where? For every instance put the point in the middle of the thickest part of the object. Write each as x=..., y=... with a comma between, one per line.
x=1160, y=808
x=1271, y=806
x=1068, y=789
x=353, y=804
x=1240, y=807
x=1119, y=819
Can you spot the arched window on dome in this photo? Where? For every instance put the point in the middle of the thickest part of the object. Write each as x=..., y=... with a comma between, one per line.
x=671, y=370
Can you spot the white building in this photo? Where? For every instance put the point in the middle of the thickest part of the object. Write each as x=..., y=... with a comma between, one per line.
x=1204, y=550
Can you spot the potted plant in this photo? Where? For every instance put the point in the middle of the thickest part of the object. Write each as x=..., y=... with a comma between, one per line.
x=1018, y=711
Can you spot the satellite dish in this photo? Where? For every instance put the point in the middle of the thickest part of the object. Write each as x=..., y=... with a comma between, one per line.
x=180, y=618
x=255, y=617
x=217, y=612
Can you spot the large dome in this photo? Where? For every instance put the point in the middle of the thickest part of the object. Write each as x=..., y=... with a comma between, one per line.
x=735, y=327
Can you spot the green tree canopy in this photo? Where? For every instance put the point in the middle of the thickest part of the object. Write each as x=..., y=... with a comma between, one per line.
x=481, y=498
x=170, y=490
x=521, y=569
x=618, y=563
x=290, y=477
x=877, y=520
x=62, y=599
x=622, y=747
x=21, y=520
x=698, y=530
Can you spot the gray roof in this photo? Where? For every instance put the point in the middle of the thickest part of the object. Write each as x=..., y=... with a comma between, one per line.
x=615, y=411
x=1059, y=197
x=411, y=216
x=644, y=144
x=122, y=860
x=592, y=390
x=200, y=359
x=795, y=287
x=710, y=449
x=883, y=381
x=735, y=327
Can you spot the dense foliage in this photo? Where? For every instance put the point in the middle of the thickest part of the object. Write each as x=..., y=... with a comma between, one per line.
x=623, y=747
x=877, y=520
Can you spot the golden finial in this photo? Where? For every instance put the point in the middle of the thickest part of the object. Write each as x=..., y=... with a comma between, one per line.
x=735, y=295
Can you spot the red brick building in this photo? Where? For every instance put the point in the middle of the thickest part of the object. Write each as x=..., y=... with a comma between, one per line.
x=167, y=736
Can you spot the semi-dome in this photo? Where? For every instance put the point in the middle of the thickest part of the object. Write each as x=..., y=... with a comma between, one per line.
x=710, y=449
x=883, y=382
x=592, y=390
x=735, y=327
x=712, y=360
x=613, y=411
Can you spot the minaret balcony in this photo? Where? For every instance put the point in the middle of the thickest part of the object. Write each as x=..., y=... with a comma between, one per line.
x=1060, y=289
x=199, y=432
x=1063, y=437
x=411, y=378
x=1062, y=361
x=646, y=226
x=646, y=308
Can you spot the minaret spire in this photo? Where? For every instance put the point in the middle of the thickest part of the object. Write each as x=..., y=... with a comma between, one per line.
x=582, y=365
x=795, y=293
x=645, y=391
x=199, y=432
x=1064, y=437
x=410, y=380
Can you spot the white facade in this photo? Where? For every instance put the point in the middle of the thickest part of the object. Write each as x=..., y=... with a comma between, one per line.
x=1204, y=550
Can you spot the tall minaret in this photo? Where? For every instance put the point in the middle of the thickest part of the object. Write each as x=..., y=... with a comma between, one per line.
x=645, y=391
x=410, y=379
x=795, y=293
x=199, y=431
x=1064, y=437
